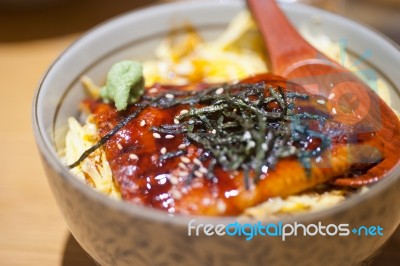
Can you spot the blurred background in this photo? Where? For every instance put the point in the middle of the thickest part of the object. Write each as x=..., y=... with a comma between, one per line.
x=32, y=34
x=28, y=19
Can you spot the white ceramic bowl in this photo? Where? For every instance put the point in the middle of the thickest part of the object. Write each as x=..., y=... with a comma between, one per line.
x=119, y=234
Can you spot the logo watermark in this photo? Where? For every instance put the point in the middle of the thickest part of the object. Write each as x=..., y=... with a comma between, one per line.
x=281, y=230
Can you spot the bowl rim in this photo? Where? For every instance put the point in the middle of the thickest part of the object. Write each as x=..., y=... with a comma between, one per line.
x=48, y=153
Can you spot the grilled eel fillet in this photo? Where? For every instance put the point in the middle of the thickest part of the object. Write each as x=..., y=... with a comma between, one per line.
x=134, y=156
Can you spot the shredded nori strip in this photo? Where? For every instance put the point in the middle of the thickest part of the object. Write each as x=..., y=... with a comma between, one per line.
x=173, y=154
x=106, y=137
x=246, y=127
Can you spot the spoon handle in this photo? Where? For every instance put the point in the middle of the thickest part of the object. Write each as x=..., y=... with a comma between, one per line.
x=284, y=44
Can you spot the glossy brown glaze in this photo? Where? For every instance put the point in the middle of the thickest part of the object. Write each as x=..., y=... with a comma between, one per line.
x=134, y=155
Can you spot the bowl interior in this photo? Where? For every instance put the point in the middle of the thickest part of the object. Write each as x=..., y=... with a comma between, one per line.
x=135, y=35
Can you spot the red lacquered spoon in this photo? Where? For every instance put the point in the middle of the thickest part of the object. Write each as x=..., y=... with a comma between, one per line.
x=294, y=58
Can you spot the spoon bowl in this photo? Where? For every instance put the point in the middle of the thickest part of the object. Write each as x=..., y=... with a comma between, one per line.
x=294, y=58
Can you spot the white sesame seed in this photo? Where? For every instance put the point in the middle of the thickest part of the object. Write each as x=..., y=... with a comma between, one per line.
x=206, y=201
x=169, y=96
x=197, y=161
x=182, y=165
x=331, y=96
x=163, y=150
x=173, y=179
x=321, y=101
x=133, y=156
x=153, y=90
x=264, y=169
x=264, y=146
x=334, y=111
x=251, y=144
x=119, y=146
x=185, y=159
x=169, y=136
x=219, y=91
x=214, y=131
x=184, y=190
x=156, y=135
x=182, y=146
x=176, y=194
x=246, y=135
x=197, y=184
x=183, y=173
x=221, y=206
x=197, y=173
x=176, y=121
x=142, y=123
x=184, y=111
x=203, y=170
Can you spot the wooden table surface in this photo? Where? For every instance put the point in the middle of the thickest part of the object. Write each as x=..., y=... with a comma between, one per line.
x=32, y=230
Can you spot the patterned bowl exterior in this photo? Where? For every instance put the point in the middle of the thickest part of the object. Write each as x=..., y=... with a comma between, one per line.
x=117, y=234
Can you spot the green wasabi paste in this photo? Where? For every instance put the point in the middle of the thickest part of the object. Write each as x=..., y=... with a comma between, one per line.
x=124, y=85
